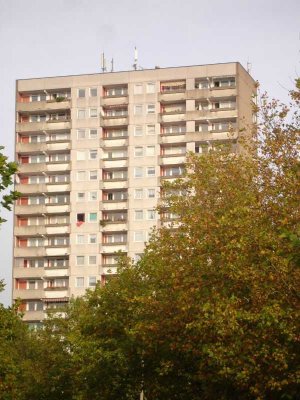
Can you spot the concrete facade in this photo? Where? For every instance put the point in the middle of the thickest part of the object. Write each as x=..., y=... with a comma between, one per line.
x=92, y=152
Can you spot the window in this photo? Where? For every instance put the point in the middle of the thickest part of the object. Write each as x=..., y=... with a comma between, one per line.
x=138, y=236
x=92, y=260
x=80, y=134
x=150, y=150
x=138, y=215
x=93, y=175
x=80, y=260
x=92, y=281
x=150, y=108
x=93, y=217
x=36, y=179
x=81, y=175
x=80, y=217
x=138, y=88
x=93, y=134
x=81, y=93
x=151, y=193
x=138, y=172
x=151, y=214
x=80, y=155
x=93, y=154
x=138, y=151
x=138, y=193
x=40, y=158
x=150, y=171
x=150, y=129
x=80, y=281
x=92, y=238
x=93, y=92
x=80, y=239
x=93, y=113
x=81, y=114
x=202, y=127
x=93, y=196
x=80, y=196
x=138, y=109
x=150, y=88
x=138, y=130
x=203, y=84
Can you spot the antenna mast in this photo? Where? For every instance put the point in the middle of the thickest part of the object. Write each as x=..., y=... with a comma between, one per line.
x=103, y=63
x=135, y=64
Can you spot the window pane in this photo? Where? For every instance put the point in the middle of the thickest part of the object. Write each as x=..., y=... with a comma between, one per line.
x=80, y=260
x=138, y=88
x=93, y=92
x=80, y=134
x=81, y=93
x=138, y=193
x=92, y=217
x=138, y=130
x=92, y=260
x=150, y=87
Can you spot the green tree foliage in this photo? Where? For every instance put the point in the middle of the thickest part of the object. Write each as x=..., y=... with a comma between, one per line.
x=7, y=171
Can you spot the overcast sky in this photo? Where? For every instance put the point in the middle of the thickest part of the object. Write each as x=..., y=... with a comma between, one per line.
x=64, y=37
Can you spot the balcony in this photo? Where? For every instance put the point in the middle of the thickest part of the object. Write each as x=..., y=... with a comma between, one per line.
x=49, y=295
x=27, y=294
x=116, y=100
x=53, y=272
x=29, y=252
x=43, y=188
x=33, y=316
x=199, y=115
x=108, y=121
x=171, y=159
x=49, y=105
x=21, y=272
x=44, y=146
x=44, y=126
x=109, y=269
x=44, y=167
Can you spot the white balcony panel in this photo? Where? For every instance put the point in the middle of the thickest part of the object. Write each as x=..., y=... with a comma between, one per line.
x=58, y=188
x=33, y=316
x=104, y=248
x=28, y=294
x=53, y=294
x=21, y=272
x=30, y=230
x=52, y=230
x=172, y=117
x=165, y=139
x=109, y=270
x=114, y=184
x=108, y=227
x=114, y=163
x=58, y=209
x=58, y=167
x=55, y=272
x=57, y=251
x=120, y=205
x=29, y=252
x=172, y=160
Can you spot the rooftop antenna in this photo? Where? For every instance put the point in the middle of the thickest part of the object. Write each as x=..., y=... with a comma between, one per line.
x=249, y=66
x=112, y=65
x=135, y=64
x=103, y=63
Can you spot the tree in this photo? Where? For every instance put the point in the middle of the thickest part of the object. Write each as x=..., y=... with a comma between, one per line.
x=7, y=171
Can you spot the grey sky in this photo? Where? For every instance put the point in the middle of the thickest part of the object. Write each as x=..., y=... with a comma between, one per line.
x=64, y=37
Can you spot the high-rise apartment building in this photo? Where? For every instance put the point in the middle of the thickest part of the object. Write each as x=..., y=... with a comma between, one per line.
x=93, y=151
